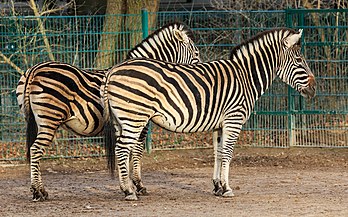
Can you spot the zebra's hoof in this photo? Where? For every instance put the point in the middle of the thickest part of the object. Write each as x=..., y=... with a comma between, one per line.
x=217, y=191
x=142, y=191
x=40, y=196
x=227, y=193
x=131, y=197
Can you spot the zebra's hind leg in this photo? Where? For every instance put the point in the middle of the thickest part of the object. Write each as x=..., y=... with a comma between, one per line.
x=137, y=155
x=136, y=178
x=37, y=187
x=44, y=138
x=124, y=146
x=217, y=143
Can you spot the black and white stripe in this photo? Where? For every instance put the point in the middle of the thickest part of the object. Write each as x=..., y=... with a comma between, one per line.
x=53, y=94
x=217, y=95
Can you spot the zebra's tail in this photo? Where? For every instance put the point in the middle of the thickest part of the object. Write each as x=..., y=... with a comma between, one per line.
x=24, y=102
x=109, y=130
x=31, y=132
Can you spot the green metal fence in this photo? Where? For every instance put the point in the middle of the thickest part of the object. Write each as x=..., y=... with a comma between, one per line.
x=282, y=118
x=322, y=122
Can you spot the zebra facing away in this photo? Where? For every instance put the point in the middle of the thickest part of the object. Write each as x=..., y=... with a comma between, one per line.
x=53, y=95
x=217, y=95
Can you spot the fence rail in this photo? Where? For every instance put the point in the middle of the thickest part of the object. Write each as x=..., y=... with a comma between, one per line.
x=282, y=118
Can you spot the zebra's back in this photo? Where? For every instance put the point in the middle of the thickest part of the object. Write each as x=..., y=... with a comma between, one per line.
x=180, y=98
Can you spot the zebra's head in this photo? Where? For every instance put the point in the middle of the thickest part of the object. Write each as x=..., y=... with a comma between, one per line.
x=186, y=48
x=172, y=42
x=293, y=68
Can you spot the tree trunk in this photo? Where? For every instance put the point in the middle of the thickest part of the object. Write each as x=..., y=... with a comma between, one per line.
x=109, y=43
x=133, y=24
x=152, y=6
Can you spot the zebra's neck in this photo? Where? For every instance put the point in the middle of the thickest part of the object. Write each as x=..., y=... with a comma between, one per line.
x=258, y=61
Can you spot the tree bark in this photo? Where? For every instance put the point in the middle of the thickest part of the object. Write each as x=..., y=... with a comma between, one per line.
x=42, y=29
x=110, y=42
x=152, y=6
x=133, y=24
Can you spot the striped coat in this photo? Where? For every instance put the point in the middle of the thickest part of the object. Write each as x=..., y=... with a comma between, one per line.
x=53, y=95
x=217, y=95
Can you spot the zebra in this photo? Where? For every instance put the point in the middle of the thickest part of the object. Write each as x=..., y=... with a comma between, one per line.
x=53, y=94
x=217, y=95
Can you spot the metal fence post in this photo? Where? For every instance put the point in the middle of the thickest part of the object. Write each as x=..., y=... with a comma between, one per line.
x=145, y=30
x=291, y=101
x=302, y=118
x=145, y=22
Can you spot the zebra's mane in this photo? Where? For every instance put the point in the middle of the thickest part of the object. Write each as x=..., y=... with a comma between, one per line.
x=183, y=27
x=257, y=37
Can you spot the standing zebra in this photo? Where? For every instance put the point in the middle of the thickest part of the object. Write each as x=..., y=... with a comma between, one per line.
x=217, y=95
x=53, y=95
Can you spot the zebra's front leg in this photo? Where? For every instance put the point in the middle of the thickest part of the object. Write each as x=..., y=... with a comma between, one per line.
x=37, y=188
x=226, y=189
x=230, y=134
x=217, y=142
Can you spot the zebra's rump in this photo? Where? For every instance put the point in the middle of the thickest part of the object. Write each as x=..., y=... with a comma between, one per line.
x=62, y=93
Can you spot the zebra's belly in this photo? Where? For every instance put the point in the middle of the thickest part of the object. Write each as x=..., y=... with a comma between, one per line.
x=185, y=126
x=168, y=125
x=80, y=127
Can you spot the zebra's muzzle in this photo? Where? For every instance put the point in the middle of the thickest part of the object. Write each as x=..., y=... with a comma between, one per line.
x=308, y=92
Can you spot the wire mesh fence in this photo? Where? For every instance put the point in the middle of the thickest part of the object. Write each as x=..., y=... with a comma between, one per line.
x=323, y=122
x=281, y=117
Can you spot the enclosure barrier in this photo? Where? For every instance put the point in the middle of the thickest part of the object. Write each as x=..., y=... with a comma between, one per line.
x=282, y=118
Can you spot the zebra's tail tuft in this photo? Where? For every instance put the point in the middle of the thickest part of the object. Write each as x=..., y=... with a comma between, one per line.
x=109, y=131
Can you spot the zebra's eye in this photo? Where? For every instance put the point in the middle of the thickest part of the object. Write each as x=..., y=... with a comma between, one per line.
x=298, y=59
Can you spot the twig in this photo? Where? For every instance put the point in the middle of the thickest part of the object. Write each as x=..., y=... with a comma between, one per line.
x=49, y=11
x=42, y=29
x=8, y=61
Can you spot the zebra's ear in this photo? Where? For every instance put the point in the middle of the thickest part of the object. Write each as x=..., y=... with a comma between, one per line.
x=293, y=39
x=179, y=35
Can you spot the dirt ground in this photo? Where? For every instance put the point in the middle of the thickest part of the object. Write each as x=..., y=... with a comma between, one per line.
x=266, y=182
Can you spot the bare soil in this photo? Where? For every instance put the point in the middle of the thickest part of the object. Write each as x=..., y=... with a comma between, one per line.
x=266, y=182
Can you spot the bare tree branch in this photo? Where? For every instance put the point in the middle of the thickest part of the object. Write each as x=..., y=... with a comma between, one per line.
x=42, y=29
x=12, y=64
